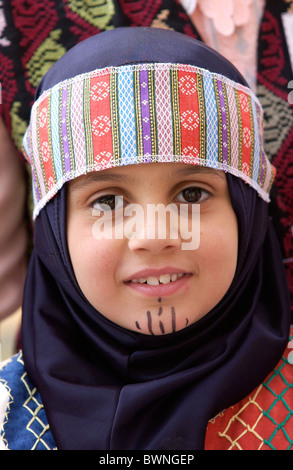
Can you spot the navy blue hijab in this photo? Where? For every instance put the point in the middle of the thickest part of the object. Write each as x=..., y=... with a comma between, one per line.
x=105, y=387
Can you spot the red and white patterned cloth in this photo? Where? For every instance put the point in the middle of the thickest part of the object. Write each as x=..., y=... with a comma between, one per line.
x=264, y=419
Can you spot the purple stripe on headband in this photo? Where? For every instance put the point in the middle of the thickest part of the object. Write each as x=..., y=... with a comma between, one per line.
x=36, y=184
x=145, y=116
x=225, y=143
x=64, y=131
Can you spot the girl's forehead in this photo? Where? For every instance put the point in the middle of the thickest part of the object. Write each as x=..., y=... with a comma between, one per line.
x=162, y=171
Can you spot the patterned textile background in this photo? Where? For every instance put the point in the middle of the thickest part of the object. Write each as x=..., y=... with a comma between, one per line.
x=274, y=74
x=35, y=33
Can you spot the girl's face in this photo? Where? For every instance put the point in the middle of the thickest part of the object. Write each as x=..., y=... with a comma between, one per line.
x=150, y=284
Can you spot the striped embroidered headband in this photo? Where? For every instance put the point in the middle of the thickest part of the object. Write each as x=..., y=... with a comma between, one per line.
x=142, y=113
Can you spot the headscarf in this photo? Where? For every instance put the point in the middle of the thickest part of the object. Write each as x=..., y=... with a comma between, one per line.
x=103, y=386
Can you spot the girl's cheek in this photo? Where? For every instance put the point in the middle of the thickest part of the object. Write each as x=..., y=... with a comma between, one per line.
x=219, y=243
x=105, y=255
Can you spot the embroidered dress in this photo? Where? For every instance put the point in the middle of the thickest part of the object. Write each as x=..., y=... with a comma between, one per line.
x=23, y=420
x=264, y=419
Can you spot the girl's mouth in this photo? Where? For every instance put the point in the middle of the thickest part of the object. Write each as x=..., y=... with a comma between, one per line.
x=159, y=285
x=156, y=280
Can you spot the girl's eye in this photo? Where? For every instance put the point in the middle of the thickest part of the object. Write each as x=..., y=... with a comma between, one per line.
x=192, y=195
x=109, y=202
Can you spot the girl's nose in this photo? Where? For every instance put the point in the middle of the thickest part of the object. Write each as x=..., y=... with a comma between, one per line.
x=156, y=230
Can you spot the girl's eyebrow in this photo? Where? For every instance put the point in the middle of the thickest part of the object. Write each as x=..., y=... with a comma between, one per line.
x=94, y=177
x=195, y=169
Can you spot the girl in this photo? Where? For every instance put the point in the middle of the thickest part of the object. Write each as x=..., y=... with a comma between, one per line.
x=132, y=342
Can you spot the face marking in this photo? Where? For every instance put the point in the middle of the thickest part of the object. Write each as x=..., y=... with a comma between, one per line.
x=168, y=325
x=149, y=317
x=173, y=315
x=161, y=325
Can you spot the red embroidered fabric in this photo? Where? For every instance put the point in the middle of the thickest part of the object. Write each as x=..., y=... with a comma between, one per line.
x=264, y=419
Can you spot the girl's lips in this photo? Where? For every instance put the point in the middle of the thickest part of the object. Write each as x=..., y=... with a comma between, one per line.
x=160, y=290
x=151, y=272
